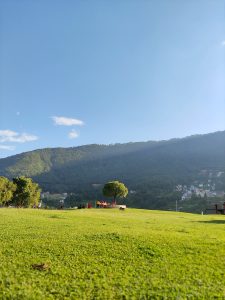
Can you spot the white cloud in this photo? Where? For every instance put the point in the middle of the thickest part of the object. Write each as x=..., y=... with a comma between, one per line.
x=18, y=113
x=6, y=147
x=67, y=121
x=12, y=136
x=8, y=133
x=73, y=134
x=223, y=43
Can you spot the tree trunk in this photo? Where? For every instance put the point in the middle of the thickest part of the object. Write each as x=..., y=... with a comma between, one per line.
x=114, y=199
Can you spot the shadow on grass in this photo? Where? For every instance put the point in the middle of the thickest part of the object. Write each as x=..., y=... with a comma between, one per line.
x=213, y=222
x=56, y=217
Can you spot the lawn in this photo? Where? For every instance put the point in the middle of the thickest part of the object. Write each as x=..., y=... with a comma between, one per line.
x=111, y=254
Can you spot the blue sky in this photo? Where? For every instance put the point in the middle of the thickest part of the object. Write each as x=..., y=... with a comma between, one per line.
x=81, y=72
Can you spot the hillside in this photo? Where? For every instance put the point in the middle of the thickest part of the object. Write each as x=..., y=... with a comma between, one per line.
x=152, y=168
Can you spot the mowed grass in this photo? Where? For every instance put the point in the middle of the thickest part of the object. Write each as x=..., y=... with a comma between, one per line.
x=111, y=254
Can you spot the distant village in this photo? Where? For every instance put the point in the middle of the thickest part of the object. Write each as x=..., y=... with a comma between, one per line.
x=206, y=188
x=59, y=197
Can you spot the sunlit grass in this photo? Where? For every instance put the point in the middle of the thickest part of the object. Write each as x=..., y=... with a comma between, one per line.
x=111, y=254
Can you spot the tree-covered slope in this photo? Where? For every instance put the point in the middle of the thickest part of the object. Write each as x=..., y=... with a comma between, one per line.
x=145, y=166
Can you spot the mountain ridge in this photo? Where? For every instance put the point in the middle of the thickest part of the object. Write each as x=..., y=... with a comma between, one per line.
x=143, y=166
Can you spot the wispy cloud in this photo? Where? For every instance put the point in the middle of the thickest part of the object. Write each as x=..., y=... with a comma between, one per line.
x=73, y=134
x=12, y=136
x=6, y=147
x=223, y=43
x=67, y=121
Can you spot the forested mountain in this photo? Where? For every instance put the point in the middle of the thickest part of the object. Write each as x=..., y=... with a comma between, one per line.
x=151, y=169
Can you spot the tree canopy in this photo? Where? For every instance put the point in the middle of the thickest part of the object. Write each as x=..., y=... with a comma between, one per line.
x=115, y=189
x=7, y=189
x=27, y=192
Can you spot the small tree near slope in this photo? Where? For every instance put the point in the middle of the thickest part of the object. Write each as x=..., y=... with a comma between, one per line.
x=115, y=189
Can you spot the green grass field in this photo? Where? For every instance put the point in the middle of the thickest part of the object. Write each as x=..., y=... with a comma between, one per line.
x=111, y=254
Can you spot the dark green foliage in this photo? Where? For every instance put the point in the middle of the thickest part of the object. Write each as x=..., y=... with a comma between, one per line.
x=151, y=169
x=115, y=189
x=73, y=200
x=27, y=193
x=6, y=190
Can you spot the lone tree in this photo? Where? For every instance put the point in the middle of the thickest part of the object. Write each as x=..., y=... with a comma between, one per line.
x=115, y=189
x=7, y=189
x=27, y=193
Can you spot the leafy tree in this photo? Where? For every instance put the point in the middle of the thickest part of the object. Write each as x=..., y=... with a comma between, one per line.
x=27, y=193
x=115, y=189
x=6, y=190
